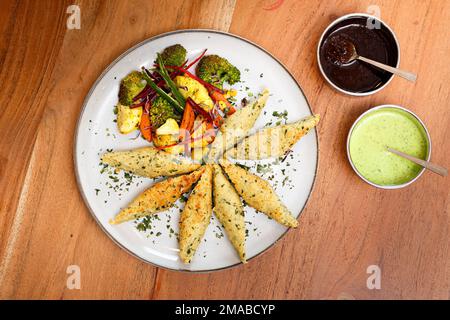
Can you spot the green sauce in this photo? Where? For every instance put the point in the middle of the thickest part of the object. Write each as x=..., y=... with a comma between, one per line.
x=391, y=127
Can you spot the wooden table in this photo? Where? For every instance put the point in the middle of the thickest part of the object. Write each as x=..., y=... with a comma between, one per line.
x=47, y=70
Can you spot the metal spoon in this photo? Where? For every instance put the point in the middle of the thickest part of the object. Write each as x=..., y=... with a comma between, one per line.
x=426, y=164
x=353, y=55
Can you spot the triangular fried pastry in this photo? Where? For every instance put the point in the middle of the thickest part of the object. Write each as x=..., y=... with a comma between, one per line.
x=237, y=126
x=229, y=210
x=159, y=197
x=274, y=141
x=258, y=194
x=196, y=216
x=150, y=162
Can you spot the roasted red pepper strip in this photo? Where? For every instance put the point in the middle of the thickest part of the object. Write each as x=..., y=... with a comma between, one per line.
x=196, y=59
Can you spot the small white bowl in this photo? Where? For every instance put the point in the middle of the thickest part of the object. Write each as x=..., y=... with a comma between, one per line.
x=332, y=24
x=378, y=108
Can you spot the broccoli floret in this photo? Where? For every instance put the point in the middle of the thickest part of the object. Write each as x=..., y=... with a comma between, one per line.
x=217, y=70
x=160, y=111
x=174, y=55
x=130, y=87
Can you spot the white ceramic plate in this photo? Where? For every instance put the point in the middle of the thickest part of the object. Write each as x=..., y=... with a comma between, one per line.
x=105, y=192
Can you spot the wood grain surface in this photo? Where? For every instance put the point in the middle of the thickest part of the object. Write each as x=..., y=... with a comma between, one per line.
x=47, y=70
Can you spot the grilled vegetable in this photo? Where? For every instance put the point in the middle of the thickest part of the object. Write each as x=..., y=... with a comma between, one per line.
x=155, y=86
x=217, y=70
x=174, y=55
x=169, y=82
x=130, y=86
x=169, y=127
x=190, y=88
x=146, y=127
x=187, y=123
x=164, y=140
x=160, y=111
x=190, y=75
x=223, y=103
x=128, y=119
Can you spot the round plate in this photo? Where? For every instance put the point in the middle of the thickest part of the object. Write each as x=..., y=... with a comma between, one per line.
x=105, y=191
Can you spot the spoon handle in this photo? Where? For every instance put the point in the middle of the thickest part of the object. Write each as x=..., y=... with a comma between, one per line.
x=426, y=164
x=404, y=74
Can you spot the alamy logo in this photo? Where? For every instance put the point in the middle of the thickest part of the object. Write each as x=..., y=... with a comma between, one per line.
x=374, y=280
x=374, y=10
x=74, y=20
x=74, y=278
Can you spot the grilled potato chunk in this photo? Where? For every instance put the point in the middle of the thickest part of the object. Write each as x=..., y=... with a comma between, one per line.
x=128, y=119
x=191, y=88
x=259, y=194
x=169, y=127
x=149, y=162
x=157, y=198
x=273, y=142
x=229, y=210
x=196, y=216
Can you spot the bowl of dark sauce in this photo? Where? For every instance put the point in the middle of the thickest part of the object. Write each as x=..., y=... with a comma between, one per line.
x=372, y=38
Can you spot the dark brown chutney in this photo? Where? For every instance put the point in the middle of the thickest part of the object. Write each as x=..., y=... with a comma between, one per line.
x=356, y=76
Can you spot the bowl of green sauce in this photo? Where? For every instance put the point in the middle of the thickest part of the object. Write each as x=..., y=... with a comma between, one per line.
x=388, y=126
